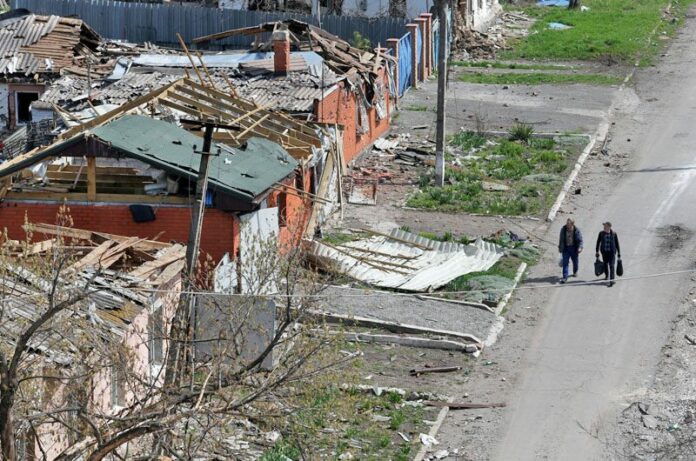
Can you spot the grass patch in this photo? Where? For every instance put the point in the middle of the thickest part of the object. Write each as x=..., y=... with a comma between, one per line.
x=330, y=422
x=416, y=108
x=521, y=132
x=339, y=238
x=538, y=79
x=507, y=178
x=615, y=30
x=508, y=65
x=468, y=140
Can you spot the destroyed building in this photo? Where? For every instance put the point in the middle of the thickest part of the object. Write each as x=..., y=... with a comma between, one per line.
x=35, y=50
x=135, y=174
x=132, y=286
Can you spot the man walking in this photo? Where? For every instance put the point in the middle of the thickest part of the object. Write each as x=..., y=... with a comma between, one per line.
x=608, y=244
x=569, y=246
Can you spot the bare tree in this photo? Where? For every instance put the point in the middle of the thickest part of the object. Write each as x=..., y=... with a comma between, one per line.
x=75, y=380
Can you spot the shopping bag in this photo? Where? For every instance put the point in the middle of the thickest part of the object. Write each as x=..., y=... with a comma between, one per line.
x=598, y=267
x=619, y=268
x=560, y=261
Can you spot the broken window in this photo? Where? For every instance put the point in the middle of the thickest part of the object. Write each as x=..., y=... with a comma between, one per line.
x=118, y=388
x=156, y=337
x=24, y=100
x=282, y=209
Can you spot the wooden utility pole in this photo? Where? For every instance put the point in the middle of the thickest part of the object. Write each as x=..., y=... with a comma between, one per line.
x=183, y=321
x=441, y=84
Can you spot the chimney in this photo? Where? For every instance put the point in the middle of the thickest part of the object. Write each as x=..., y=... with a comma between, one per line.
x=281, y=52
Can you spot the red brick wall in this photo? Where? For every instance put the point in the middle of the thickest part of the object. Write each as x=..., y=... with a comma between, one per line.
x=297, y=211
x=219, y=228
x=341, y=107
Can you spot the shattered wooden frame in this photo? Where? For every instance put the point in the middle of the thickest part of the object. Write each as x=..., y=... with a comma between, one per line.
x=206, y=103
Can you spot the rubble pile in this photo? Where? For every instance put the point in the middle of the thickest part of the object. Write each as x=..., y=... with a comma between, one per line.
x=479, y=45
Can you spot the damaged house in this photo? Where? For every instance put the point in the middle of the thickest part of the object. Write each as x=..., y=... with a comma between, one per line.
x=34, y=51
x=98, y=351
x=135, y=174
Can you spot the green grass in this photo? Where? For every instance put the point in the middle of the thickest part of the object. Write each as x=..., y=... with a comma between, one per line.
x=329, y=422
x=340, y=238
x=416, y=108
x=509, y=65
x=538, y=79
x=467, y=140
x=514, y=164
x=616, y=30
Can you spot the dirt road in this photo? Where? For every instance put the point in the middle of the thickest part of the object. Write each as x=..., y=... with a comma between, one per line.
x=595, y=348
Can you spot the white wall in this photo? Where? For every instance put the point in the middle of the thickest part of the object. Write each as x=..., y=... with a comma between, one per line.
x=484, y=14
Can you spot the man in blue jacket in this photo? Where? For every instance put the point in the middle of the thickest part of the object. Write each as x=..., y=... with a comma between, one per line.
x=570, y=247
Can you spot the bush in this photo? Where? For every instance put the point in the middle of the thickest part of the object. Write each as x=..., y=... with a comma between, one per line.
x=361, y=42
x=468, y=140
x=521, y=132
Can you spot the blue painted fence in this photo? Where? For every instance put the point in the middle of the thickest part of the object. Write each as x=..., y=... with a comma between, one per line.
x=405, y=68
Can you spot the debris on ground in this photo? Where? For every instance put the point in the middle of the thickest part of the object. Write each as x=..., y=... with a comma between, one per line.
x=479, y=45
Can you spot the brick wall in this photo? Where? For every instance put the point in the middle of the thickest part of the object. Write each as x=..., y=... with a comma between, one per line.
x=341, y=107
x=219, y=228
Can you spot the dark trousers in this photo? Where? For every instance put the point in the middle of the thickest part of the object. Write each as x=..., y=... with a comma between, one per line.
x=609, y=259
x=569, y=254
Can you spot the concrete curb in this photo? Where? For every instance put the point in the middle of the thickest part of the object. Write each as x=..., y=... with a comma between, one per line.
x=499, y=324
x=433, y=432
x=601, y=133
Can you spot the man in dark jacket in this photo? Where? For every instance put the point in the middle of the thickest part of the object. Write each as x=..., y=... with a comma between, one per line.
x=570, y=247
x=608, y=244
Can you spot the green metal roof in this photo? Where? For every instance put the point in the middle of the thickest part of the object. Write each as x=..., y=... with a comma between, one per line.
x=244, y=173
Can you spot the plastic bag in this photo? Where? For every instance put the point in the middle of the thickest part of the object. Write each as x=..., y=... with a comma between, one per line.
x=598, y=267
x=619, y=268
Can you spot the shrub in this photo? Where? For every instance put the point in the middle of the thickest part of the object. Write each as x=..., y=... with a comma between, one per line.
x=521, y=132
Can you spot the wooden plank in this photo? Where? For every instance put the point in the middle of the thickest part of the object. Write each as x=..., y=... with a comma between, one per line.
x=170, y=255
x=40, y=247
x=231, y=33
x=115, y=253
x=93, y=257
x=139, y=101
x=107, y=198
x=253, y=125
x=91, y=179
x=170, y=272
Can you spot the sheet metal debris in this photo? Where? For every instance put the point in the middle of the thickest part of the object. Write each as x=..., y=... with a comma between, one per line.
x=404, y=261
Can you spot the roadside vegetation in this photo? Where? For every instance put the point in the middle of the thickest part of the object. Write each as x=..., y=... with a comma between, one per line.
x=335, y=423
x=514, y=175
x=538, y=78
x=509, y=65
x=613, y=31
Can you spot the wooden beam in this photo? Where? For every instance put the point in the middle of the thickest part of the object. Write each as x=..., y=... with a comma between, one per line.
x=107, y=198
x=91, y=179
x=231, y=33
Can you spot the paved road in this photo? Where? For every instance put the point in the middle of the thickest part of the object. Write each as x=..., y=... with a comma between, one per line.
x=596, y=347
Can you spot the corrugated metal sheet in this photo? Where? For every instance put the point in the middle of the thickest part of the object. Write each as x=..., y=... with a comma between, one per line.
x=40, y=44
x=409, y=263
x=159, y=23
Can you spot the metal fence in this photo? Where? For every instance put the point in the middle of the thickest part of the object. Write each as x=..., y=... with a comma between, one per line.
x=159, y=23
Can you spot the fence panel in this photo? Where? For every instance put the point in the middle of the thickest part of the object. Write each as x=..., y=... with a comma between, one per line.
x=405, y=67
x=159, y=23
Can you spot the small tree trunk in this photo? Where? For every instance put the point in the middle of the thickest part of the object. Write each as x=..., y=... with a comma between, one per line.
x=572, y=4
x=7, y=435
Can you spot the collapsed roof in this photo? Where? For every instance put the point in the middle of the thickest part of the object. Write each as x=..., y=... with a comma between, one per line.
x=34, y=44
x=242, y=173
x=118, y=271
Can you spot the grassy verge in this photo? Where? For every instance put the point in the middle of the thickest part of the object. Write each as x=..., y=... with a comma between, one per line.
x=508, y=65
x=538, y=79
x=504, y=177
x=416, y=108
x=615, y=30
x=334, y=423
